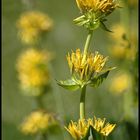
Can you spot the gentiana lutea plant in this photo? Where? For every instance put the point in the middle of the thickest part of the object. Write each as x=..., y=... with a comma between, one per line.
x=89, y=69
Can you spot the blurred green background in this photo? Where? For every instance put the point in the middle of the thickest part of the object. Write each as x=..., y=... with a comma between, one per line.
x=64, y=37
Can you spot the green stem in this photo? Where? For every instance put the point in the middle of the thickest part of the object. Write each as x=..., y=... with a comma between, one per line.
x=82, y=103
x=104, y=137
x=83, y=92
x=41, y=136
x=87, y=44
x=39, y=102
x=44, y=137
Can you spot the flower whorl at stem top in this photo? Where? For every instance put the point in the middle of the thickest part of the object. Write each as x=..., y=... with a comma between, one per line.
x=100, y=126
x=94, y=12
x=81, y=129
x=85, y=68
x=78, y=129
x=32, y=25
x=104, y=6
x=32, y=67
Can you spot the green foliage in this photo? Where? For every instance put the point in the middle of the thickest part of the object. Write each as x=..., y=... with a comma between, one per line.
x=88, y=21
x=97, y=80
x=74, y=84
x=69, y=84
x=92, y=134
x=103, y=26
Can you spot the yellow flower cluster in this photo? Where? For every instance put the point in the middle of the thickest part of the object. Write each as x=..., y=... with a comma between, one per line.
x=85, y=66
x=32, y=24
x=33, y=70
x=78, y=130
x=122, y=48
x=120, y=83
x=100, y=126
x=104, y=6
x=38, y=121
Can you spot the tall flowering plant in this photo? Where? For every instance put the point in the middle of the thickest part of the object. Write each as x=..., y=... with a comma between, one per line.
x=89, y=69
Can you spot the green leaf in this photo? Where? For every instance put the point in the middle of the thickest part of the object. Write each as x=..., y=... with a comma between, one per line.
x=108, y=69
x=80, y=21
x=87, y=21
x=92, y=134
x=97, y=80
x=88, y=135
x=96, y=135
x=69, y=84
x=103, y=26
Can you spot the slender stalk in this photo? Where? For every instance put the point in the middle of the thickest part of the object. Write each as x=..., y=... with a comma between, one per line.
x=44, y=137
x=82, y=103
x=83, y=92
x=41, y=136
x=86, y=47
x=105, y=138
x=39, y=102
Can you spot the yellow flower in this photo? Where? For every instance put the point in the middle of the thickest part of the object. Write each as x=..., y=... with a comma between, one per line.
x=78, y=130
x=33, y=70
x=118, y=51
x=100, y=126
x=107, y=129
x=98, y=123
x=118, y=32
x=94, y=13
x=32, y=24
x=121, y=82
x=85, y=67
x=123, y=52
x=104, y=6
x=123, y=48
x=38, y=121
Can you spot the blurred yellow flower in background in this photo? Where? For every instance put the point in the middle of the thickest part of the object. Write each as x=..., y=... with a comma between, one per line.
x=32, y=25
x=118, y=32
x=86, y=66
x=78, y=130
x=36, y=122
x=123, y=48
x=33, y=70
x=120, y=82
x=118, y=52
x=123, y=52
